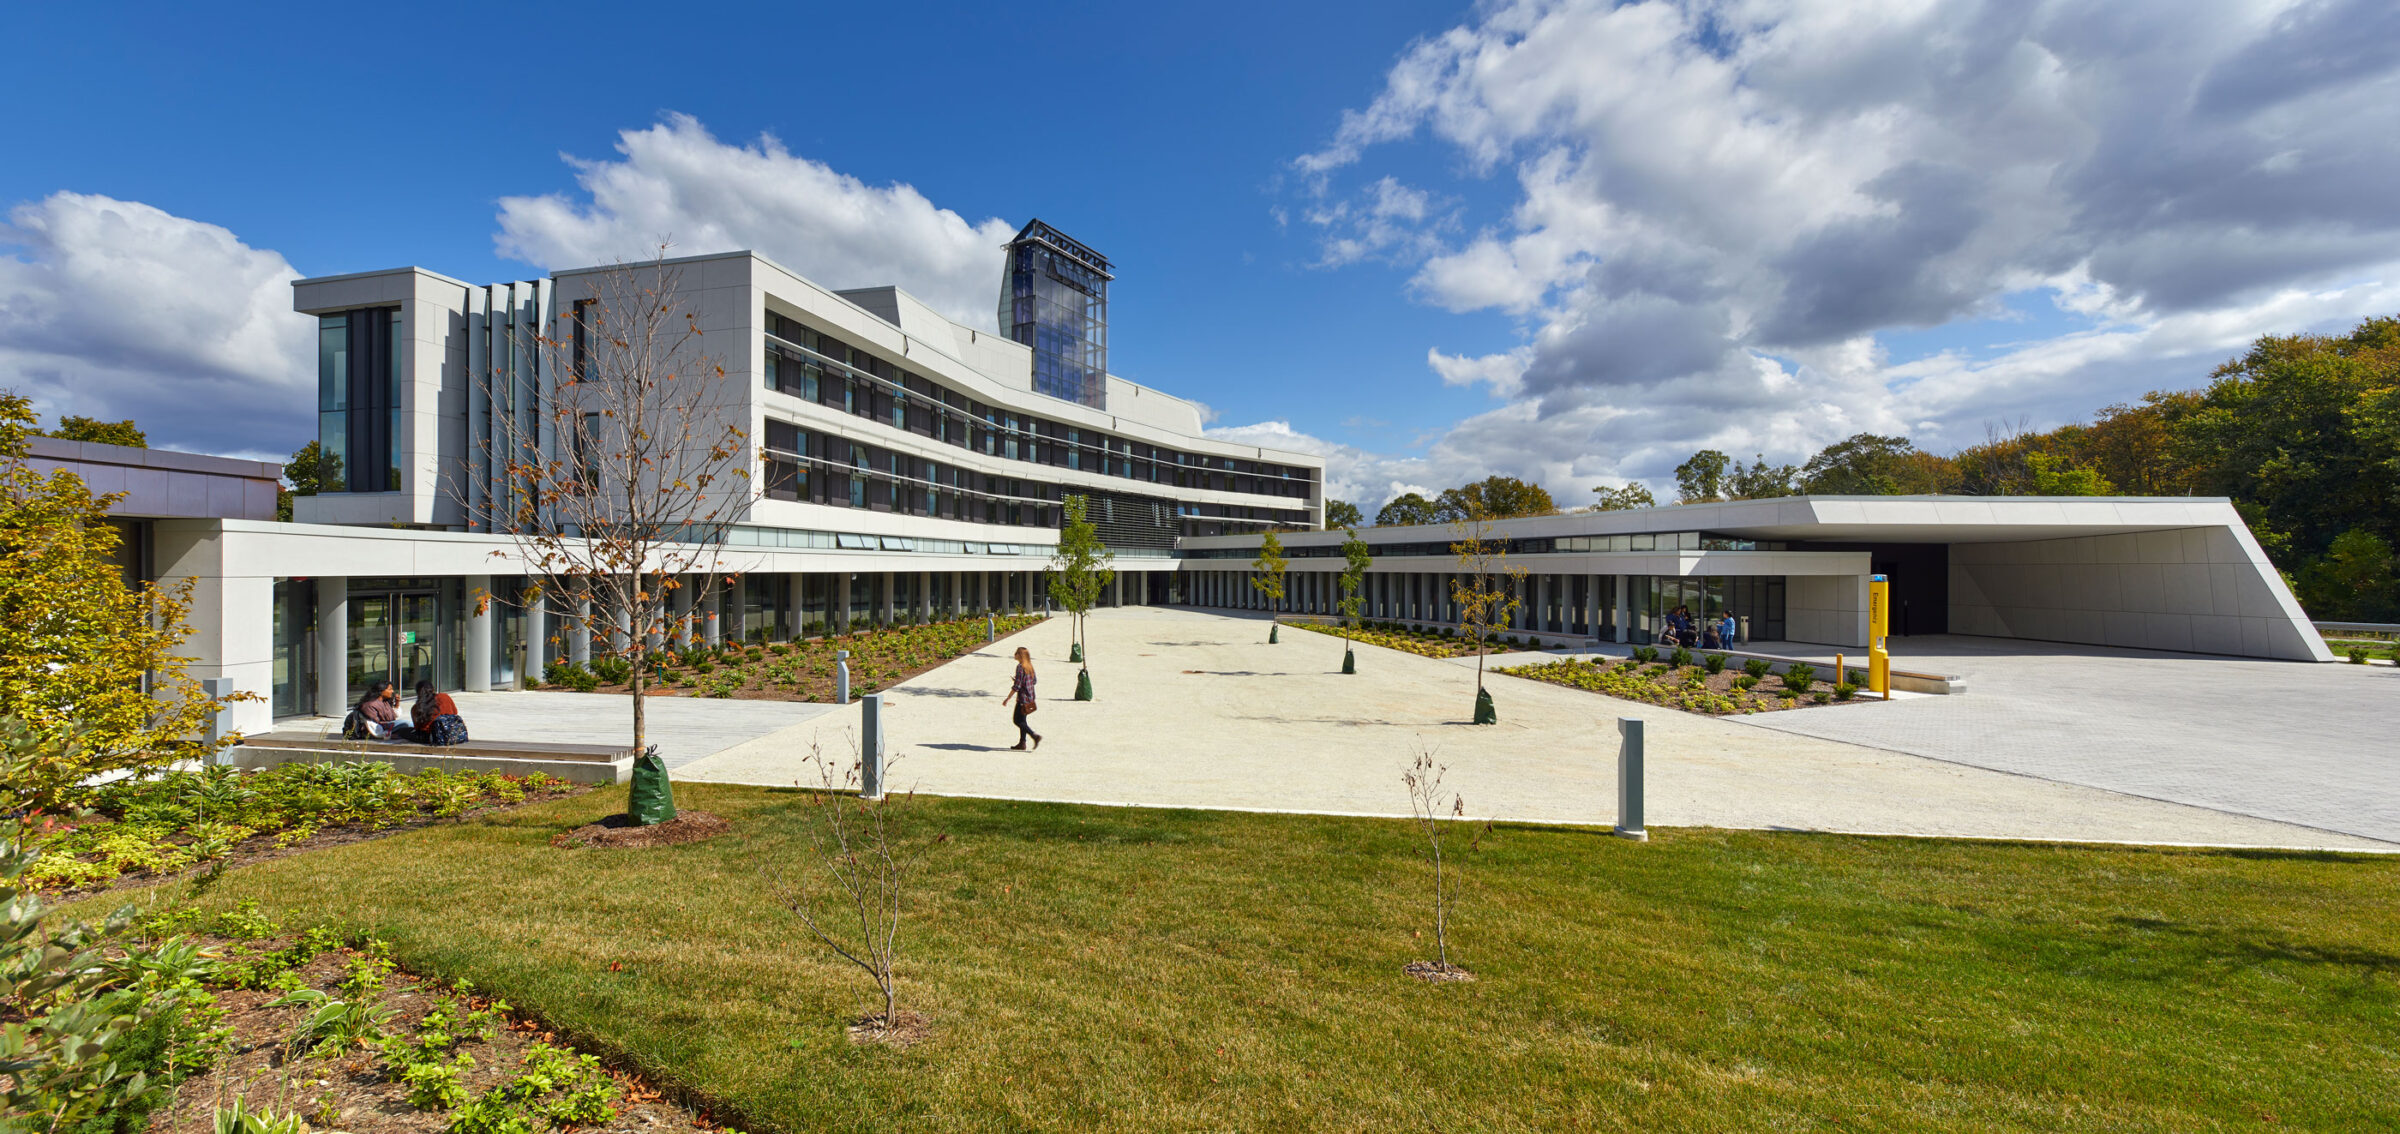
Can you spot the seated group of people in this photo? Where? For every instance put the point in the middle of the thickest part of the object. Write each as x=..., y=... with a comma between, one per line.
x=433, y=719
x=1717, y=634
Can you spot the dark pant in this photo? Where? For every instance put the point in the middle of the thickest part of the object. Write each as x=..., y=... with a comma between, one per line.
x=1025, y=730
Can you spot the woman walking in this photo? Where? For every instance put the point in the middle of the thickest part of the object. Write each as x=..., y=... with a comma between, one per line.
x=1021, y=691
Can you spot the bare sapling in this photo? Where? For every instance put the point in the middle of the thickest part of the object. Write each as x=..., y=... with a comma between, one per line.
x=615, y=476
x=1424, y=779
x=852, y=897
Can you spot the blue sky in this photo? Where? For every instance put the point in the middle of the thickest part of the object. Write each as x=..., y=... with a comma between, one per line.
x=1628, y=230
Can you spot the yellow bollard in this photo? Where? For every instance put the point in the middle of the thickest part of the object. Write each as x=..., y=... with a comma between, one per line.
x=1879, y=615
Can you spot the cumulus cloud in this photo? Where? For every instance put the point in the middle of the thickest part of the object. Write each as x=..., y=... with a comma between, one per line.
x=116, y=309
x=675, y=181
x=1721, y=207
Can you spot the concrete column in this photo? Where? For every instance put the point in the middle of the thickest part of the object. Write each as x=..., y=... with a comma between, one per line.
x=333, y=645
x=795, y=612
x=883, y=599
x=579, y=635
x=1624, y=609
x=712, y=617
x=924, y=601
x=837, y=603
x=537, y=642
x=678, y=610
x=478, y=677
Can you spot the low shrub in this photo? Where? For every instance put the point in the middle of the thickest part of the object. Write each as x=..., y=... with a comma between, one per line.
x=1745, y=683
x=1798, y=676
x=1844, y=691
x=1716, y=663
x=1645, y=654
x=612, y=671
x=1680, y=658
x=1820, y=697
x=1757, y=668
x=2358, y=655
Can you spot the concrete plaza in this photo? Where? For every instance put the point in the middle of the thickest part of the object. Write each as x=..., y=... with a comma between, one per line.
x=1195, y=709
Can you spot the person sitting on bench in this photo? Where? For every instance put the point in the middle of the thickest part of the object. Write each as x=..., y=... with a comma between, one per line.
x=377, y=716
x=436, y=717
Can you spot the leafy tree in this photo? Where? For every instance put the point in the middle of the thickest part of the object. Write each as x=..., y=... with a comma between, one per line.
x=1082, y=568
x=2356, y=576
x=1343, y=514
x=72, y=428
x=1761, y=481
x=1701, y=480
x=1268, y=580
x=77, y=641
x=1624, y=498
x=1865, y=464
x=1486, y=591
x=1406, y=509
x=310, y=471
x=2053, y=476
x=1499, y=497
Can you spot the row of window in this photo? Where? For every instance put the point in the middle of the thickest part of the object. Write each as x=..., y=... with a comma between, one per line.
x=822, y=369
x=821, y=468
x=1637, y=541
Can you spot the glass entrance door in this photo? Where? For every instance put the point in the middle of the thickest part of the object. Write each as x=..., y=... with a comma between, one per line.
x=392, y=638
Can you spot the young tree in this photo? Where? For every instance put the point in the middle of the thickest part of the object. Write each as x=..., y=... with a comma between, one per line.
x=1624, y=498
x=1269, y=578
x=1080, y=570
x=1356, y=559
x=1342, y=514
x=613, y=491
x=857, y=843
x=1424, y=780
x=1486, y=591
x=76, y=642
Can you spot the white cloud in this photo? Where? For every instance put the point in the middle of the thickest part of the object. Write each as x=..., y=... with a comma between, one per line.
x=674, y=181
x=116, y=309
x=1719, y=205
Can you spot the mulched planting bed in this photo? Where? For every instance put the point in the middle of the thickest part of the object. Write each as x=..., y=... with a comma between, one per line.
x=1435, y=972
x=1692, y=688
x=138, y=831
x=490, y=1063
x=1422, y=644
x=620, y=831
x=792, y=671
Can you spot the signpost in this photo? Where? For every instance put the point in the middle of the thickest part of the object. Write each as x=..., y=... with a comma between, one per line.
x=1879, y=627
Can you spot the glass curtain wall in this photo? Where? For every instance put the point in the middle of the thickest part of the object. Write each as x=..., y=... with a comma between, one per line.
x=1757, y=601
x=1055, y=300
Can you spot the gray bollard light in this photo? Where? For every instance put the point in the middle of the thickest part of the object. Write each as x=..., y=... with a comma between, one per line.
x=217, y=689
x=1629, y=780
x=841, y=677
x=870, y=748
x=991, y=629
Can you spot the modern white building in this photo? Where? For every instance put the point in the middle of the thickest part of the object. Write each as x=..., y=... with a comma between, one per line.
x=2157, y=573
x=900, y=463
x=903, y=464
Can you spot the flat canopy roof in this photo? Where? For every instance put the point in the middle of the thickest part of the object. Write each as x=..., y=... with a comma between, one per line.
x=1849, y=519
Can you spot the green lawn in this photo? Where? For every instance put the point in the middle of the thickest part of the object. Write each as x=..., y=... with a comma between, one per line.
x=1102, y=968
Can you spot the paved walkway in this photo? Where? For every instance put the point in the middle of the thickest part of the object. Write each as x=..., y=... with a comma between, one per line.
x=684, y=728
x=2317, y=745
x=1196, y=710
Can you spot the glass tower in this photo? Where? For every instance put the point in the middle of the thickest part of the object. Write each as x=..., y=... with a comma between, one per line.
x=1054, y=298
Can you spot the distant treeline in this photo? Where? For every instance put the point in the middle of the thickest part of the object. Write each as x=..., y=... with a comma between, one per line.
x=2302, y=432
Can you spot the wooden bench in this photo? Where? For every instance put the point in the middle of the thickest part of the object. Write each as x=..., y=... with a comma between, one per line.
x=579, y=763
